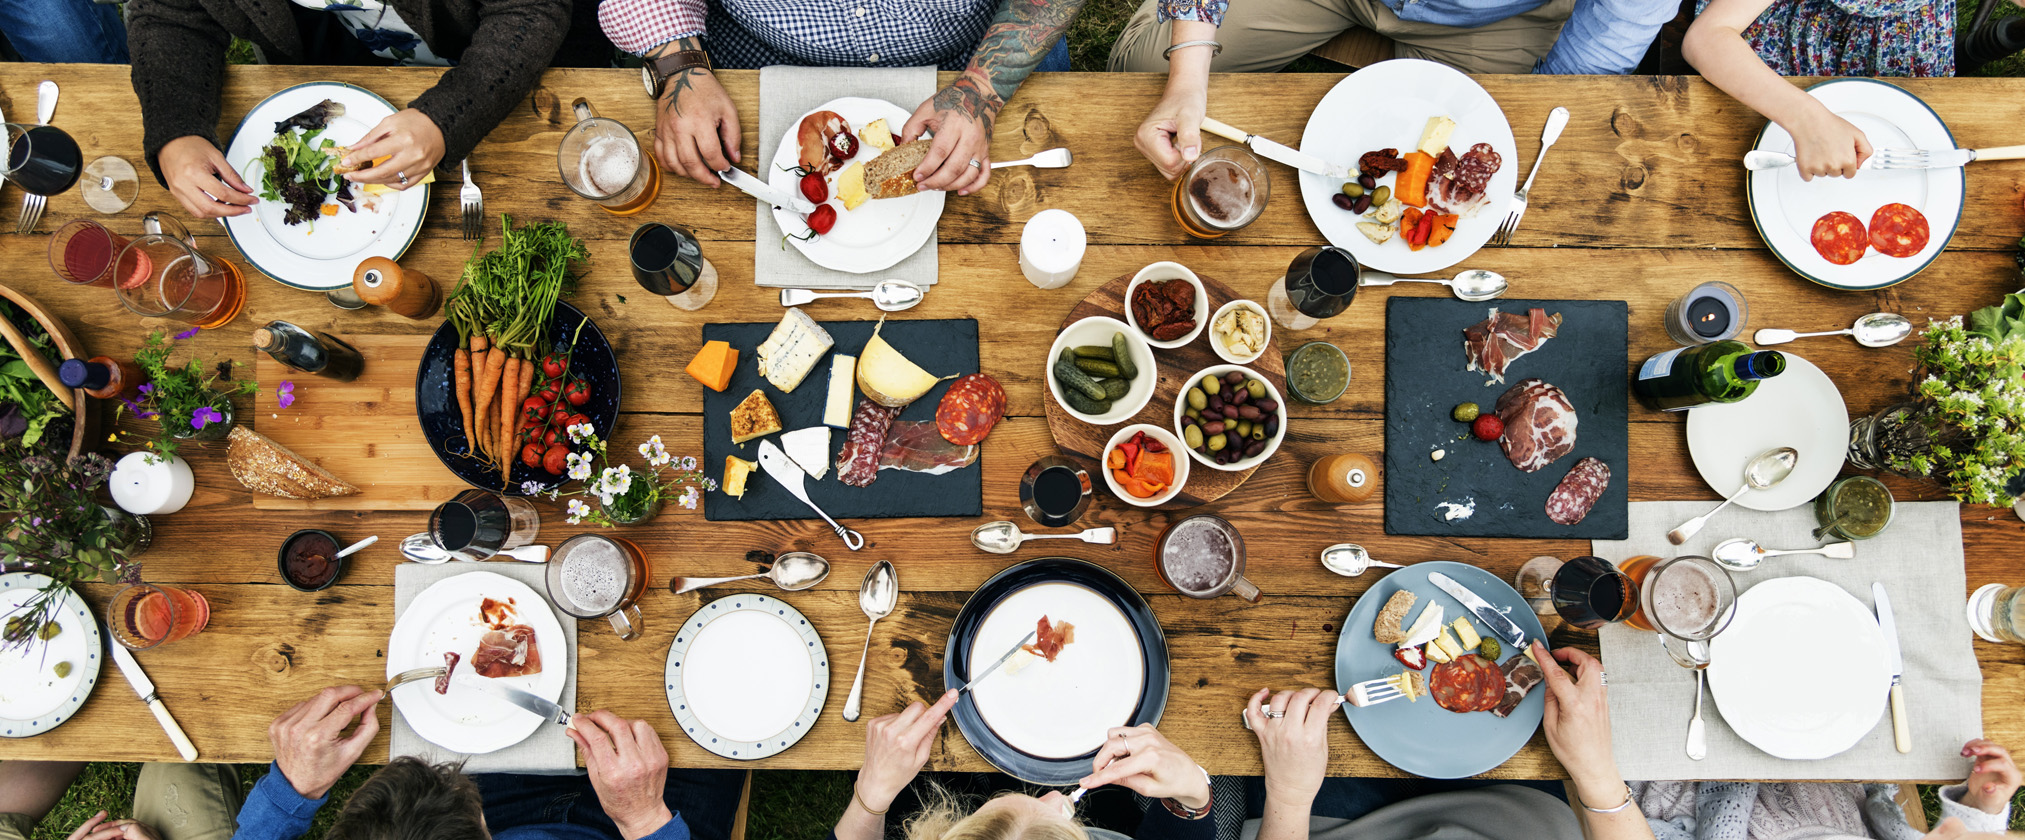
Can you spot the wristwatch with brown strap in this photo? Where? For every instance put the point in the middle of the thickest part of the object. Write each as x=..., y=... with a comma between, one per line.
x=658, y=70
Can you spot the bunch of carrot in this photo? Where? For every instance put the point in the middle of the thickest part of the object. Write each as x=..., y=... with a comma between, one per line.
x=501, y=308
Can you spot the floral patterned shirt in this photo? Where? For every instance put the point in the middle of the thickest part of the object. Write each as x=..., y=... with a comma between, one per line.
x=380, y=28
x=1855, y=37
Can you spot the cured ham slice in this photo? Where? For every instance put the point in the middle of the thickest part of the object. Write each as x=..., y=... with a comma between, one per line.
x=1519, y=679
x=449, y=667
x=813, y=140
x=918, y=446
x=1049, y=640
x=507, y=652
x=1539, y=424
x=1495, y=343
x=1460, y=186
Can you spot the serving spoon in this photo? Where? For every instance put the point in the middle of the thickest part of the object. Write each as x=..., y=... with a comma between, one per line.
x=1769, y=468
x=1475, y=284
x=793, y=572
x=876, y=596
x=1003, y=537
x=1878, y=329
x=1351, y=560
x=1743, y=554
x=889, y=295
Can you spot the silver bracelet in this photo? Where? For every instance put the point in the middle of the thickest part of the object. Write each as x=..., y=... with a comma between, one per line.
x=1216, y=48
x=1620, y=806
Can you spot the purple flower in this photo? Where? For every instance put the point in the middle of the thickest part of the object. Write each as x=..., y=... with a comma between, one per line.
x=188, y=334
x=204, y=416
x=287, y=394
x=139, y=410
x=146, y=388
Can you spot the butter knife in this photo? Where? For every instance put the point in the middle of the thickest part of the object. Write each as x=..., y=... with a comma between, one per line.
x=1279, y=152
x=548, y=711
x=979, y=676
x=1901, y=730
x=1506, y=629
x=751, y=185
x=146, y=689
x=785, y=471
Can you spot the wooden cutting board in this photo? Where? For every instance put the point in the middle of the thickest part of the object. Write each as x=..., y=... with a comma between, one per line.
x=363, y=431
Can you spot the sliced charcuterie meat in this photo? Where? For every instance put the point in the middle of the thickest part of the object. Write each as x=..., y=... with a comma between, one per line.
x=858, y=463
x=1840, y=238
x=918, y=446
x=1521, y=674
x=449, y=667
x=1462, y=187
x=1469, y=684
x=972, y=406
x=1578, y=491
x=1539, y=424
x=813, y=138
x=507, y=652
x=1496, y=342
x=1897, y=230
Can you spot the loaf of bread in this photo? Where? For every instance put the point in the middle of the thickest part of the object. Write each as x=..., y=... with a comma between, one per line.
x=271, y=469
x=891, y=175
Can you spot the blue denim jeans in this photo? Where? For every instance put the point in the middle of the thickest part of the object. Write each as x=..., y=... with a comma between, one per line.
x=65, y=30
x=1057, y=59
x=1348, y=798
x=705, y=800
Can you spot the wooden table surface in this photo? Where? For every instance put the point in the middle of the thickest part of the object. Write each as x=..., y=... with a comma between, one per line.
x=1640, y=200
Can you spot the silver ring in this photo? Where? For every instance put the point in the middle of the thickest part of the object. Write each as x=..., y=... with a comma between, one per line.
x=403, y=176
x=1272, y=714
x=975, y=164
x=1603, y=677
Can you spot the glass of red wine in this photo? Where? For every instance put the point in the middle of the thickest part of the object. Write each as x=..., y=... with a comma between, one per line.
x=82, y=252
x=42, y=159
x=476, y=524
x=1320, y=283
x=1587, y=592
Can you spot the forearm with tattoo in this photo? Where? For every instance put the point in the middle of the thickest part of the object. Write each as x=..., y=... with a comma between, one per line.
x=1021, y=34
x=671, y=93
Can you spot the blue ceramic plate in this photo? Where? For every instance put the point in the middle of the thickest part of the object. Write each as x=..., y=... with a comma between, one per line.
x=1043, y=725
x=443, y=424
x=1421, y=737
x=33, y=700
x=747, y=676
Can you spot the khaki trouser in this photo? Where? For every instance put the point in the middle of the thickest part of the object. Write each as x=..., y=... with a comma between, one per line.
x=178, y=801
x=1266, y=35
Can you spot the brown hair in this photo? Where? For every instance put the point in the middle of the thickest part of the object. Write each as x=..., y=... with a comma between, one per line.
x=943, y=817
x=412, y=800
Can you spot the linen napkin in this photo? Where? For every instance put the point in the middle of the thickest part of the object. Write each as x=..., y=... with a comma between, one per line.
x=547, y=752
x=785, y=94
x=1919, y=561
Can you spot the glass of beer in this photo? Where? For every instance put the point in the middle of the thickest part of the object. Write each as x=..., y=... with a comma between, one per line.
x=1686, y=599
x=1223, y=190
x=1202, y=556
x=476, y=524
x=1587, y=592
x=144, y=615
x=601, y=160
x=164, y=275
x=595, y=576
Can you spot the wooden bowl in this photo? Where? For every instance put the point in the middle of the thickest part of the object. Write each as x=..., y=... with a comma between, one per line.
x=67, y=343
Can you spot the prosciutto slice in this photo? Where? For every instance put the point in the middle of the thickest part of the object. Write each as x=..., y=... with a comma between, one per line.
x=507, y=652
x=1461, y=185
x=1539, y=424
x=1049, y=640
x=918, y=446
x=1493, y=344
x=1520, y=677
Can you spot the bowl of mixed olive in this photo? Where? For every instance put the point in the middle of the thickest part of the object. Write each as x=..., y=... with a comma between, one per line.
x=1229, y=417
x=1101, y=371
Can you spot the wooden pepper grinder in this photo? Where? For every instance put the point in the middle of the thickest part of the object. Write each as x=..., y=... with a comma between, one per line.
x=409, y=293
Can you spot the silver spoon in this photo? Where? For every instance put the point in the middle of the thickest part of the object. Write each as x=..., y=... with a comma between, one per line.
x=1004, y=537
x=1351, y=560
x=1050, y=159
x=1698, y=659
x=1475, y=284
x=421, y=549
x=355, y=547
x=889, y=295
x=1878, y=329
x=793, y=571
x=1769, y=468
x=877, y=597
x=1743, y=554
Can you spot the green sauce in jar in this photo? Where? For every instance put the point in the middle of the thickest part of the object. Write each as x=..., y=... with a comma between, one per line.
x=1318, y=372
x=1862, y=505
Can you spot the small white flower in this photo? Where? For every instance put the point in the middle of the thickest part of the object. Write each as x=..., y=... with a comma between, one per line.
x=581, y=432
x=688, y=498
x=578, y=510
x=689, y=462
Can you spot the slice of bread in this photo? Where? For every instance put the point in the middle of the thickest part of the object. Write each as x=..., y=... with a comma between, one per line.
x=1387, y=629
x=891, y=175
x=269, y=468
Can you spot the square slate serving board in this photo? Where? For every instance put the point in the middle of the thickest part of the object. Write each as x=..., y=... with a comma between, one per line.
x=1426, y=377
x=942, y=347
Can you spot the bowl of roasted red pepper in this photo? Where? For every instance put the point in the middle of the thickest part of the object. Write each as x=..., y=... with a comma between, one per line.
x=1166, y=303
x=1143, y=465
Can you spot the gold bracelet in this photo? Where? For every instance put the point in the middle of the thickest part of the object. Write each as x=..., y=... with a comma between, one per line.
x=868, y=808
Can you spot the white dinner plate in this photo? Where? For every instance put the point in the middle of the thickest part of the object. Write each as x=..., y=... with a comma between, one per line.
x=747, y=676
x=33, y=700
x=445, y=619
x=1800, y=408
x=321, y=254
x=1801, y=672
x=1064, y=708
x=1785, y=208
x=881, y=232
x=1386, y=106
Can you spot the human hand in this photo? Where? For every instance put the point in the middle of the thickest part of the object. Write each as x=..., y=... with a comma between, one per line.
x=1578, y=722
x=1826, y=144
x=896, y=747
x=1143, y=760
x=309, y=742
x=402, y=149
x=115, y=830
x=1294, y=746
x=696, y=127
x=628, y=769
x=1171, y=136
x=961, y=117
x=202, y=181
x=1949, y=829
x=1993, y=780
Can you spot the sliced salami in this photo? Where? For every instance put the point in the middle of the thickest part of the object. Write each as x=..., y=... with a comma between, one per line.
x=970, y=409
x=1897, y=230
x=1840, y=238
x=1578, y=491
x=858, y=463
x=1520, y=677
x=1461, y=185
x=1469, y=684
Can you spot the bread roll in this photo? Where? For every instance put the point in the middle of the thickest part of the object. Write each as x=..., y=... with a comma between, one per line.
x=269, y=468
x=891, y=175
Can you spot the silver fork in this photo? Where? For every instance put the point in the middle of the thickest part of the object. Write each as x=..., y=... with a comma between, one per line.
x=415, y=675
x=1380, y=690
x=32, y=205
x=1557, y=119
x=473, y=201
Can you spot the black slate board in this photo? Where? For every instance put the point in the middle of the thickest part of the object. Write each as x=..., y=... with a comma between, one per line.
x=1425, y=377
x=942, y=347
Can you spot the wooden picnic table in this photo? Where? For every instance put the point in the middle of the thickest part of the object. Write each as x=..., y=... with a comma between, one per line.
x=1641, y=200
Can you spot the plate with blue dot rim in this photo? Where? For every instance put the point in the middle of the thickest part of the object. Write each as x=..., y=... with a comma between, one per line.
x=33, y=700
x=747, y=676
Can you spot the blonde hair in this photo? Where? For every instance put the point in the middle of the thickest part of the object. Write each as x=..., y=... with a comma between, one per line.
x=944, y=817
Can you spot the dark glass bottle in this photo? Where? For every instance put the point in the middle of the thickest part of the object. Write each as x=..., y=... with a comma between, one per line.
x=311, y=352
x=102, y=377
x=1718, y=372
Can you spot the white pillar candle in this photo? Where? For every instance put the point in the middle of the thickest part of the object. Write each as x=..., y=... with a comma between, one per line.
x=1051, y=248
x=147, y=488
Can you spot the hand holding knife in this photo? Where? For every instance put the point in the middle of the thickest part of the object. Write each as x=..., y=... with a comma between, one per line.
x=751, y=185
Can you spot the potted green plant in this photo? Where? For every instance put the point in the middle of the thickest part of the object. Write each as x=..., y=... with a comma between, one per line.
x=54, y=524
x=1963, y=425
x=626, y=496
x=186, y=401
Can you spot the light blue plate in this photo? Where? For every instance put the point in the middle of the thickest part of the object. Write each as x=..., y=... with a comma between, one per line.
x=1421, y=737
x=34, y=701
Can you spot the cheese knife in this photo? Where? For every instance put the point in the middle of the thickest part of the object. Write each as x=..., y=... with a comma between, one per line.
x=784, y=470
x=1901, y=730
x=548, y=711
x=1506, y=629
x=146, y=689
x=1279, y=152
x=979, y=676
x=751, y=185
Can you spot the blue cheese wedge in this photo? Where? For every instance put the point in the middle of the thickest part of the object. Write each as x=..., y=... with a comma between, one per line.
x=787, y=356
x=843, y=385
x=810, y=449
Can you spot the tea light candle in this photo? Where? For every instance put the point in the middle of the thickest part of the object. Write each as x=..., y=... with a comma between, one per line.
x=145, y=487
x=1711, y=312
x=1051, y=248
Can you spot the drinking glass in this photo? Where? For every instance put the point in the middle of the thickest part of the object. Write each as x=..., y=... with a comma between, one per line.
x=1684, y=599
x=601, y=160
x=476, y=524
x=1319, y=283
x=1055, y=491
x=668, y=261
x=1223, y=190
x=1203, y=556
x=595, y=576
x=144, y=615
x=1587, y=592
x=110, y=184
x=164, y=276
x=1997, y=613
x=82, y=252
x=42, y=159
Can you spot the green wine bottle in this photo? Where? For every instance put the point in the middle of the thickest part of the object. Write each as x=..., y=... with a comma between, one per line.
x=1719, y=372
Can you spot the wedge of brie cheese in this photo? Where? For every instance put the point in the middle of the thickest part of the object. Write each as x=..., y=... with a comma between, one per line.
x=810, y=449
x=1435, y=138
x=793, y=349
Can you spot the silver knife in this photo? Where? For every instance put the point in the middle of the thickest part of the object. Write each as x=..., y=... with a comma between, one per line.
x=1760, y=159
x=548, y=711
x=979, y=676
x=751, y=185
x=1506, y=629
x=1282, y=153
x=146, y=689
x=777, y=464
x=1901, y=731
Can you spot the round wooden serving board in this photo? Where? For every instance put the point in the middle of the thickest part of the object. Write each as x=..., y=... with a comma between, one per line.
x=1205, y=484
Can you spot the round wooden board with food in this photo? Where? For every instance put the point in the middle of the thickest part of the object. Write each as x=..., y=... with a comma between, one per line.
x=1087, y=441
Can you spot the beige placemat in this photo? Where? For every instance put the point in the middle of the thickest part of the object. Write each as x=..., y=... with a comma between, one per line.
x=1919, y=561
x=548, y=751
x=787, y=93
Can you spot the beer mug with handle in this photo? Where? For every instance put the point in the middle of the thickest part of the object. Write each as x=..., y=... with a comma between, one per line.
x=1686, y=599
x=595, y=576
x=601, y=160
x=162, y=274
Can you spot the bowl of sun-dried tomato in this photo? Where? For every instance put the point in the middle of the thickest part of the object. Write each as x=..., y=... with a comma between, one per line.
x=1166, y=303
